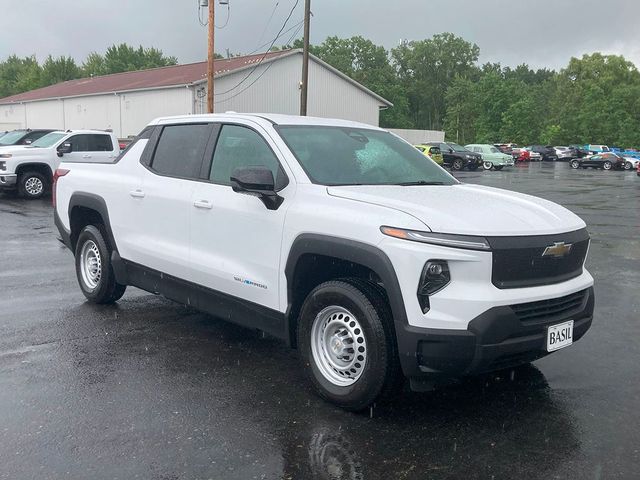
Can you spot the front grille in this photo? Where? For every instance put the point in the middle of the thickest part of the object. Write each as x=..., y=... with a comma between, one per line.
x=546, y=310
x=519, y=262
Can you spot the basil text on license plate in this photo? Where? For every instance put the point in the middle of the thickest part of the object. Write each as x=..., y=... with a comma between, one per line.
x=559, y=336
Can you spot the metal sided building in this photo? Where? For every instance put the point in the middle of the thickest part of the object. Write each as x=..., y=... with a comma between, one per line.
x=126, y=102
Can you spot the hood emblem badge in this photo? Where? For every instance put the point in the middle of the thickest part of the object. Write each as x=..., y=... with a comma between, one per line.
x=557, y=250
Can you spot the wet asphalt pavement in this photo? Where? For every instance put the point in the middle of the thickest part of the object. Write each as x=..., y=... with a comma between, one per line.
x=153, y=390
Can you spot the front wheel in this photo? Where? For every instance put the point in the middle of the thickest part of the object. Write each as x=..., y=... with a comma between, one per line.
x=487, y=165
x=628, y=165
x=607, y=165
x=347, y=344
x=93, y=267
x=457, y=164
x=32, y=185
x=575, y=164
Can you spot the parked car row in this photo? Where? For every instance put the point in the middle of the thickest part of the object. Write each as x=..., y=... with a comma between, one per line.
x=606, y=161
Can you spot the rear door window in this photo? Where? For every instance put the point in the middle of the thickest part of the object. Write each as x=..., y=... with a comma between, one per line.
x=180, y=150
x=100, y=143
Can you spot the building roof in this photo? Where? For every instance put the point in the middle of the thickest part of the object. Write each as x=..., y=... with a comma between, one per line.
x=163, y=77
x=175, y=75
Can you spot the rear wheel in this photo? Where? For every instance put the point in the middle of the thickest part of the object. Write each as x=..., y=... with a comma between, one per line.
x=487, y=165
x=93, y=267
x=628, y=165
x=607, y=165
x=347, y=344
x=32, y=185
x=575, y=164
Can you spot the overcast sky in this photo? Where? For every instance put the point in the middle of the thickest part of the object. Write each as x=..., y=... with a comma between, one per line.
x=542, y=33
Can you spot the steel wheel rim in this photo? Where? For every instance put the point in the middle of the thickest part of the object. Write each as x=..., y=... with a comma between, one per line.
x=338, y=346
x=90, y=264
x=33, y=186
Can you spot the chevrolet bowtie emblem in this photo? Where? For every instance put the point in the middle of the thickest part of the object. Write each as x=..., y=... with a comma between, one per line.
x=558, y=249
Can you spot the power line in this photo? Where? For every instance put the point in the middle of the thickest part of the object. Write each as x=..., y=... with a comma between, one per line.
x=265, y=53
x=300, y=25
x=273, y=12
x=281, y=35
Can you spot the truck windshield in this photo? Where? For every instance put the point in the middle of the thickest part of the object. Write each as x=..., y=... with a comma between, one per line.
x=360, y=156
x=12, y=137
x=48, y=140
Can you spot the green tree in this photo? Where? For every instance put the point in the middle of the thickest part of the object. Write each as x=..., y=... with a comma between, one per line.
x=427, y=68
x=369, y=65
x=125, y=58
x=55, y=70
x=19, y=75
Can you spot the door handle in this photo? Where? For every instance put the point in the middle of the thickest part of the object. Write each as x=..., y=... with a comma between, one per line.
x=137, y=193
x=203, y=204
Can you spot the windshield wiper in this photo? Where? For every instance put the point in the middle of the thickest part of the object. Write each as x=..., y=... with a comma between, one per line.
x=419, y=182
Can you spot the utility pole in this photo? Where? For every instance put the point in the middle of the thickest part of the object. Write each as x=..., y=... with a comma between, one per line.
x=304, y=84
x=210, y=59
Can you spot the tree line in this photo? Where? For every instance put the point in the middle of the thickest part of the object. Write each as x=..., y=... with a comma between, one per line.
x=438, y=84
x=21, y=74
x=434, y=84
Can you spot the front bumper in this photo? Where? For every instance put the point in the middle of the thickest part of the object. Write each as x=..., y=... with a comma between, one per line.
x=498, y=338
x=8, y=180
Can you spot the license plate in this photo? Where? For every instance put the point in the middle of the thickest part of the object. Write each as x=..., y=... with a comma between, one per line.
x=559, y=336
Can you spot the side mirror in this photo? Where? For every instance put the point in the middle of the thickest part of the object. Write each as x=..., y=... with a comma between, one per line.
x=65, y=147
x=257, y=181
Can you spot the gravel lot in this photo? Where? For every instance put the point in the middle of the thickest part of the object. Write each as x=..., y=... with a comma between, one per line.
x=151, y=389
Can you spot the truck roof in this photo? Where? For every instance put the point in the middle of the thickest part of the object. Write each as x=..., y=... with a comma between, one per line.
x=273, y=118
x=82, y=131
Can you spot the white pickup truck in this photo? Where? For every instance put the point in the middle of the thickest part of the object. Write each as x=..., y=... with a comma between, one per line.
x=29, y=169
x=338, y=237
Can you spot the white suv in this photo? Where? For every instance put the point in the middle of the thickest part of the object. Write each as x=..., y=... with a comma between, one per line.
x=339, y=238
x=29, y=169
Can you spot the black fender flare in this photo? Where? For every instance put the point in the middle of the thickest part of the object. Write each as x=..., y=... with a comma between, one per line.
x=98, y=204
x=360, y=253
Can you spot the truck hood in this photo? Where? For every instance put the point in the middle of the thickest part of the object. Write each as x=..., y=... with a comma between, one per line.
x=22, y=151
x=468, y=209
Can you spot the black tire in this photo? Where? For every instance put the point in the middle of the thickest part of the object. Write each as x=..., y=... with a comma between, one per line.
x=607, y=165
x=457, y=164
x=32, y=185
x=381, y=374
x=575, y=164
x=498, y=167
x=105, y=289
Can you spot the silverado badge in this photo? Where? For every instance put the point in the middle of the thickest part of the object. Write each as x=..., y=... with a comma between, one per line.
x=558, y=249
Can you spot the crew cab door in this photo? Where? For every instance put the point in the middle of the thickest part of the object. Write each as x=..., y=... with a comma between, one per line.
x=163, y=201
x=235, y=239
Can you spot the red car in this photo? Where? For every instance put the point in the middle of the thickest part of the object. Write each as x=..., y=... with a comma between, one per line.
x=521, y=155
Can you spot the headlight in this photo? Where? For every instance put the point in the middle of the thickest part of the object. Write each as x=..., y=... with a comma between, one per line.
x=467, y=242
x=5, y=155
x=469, y=157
